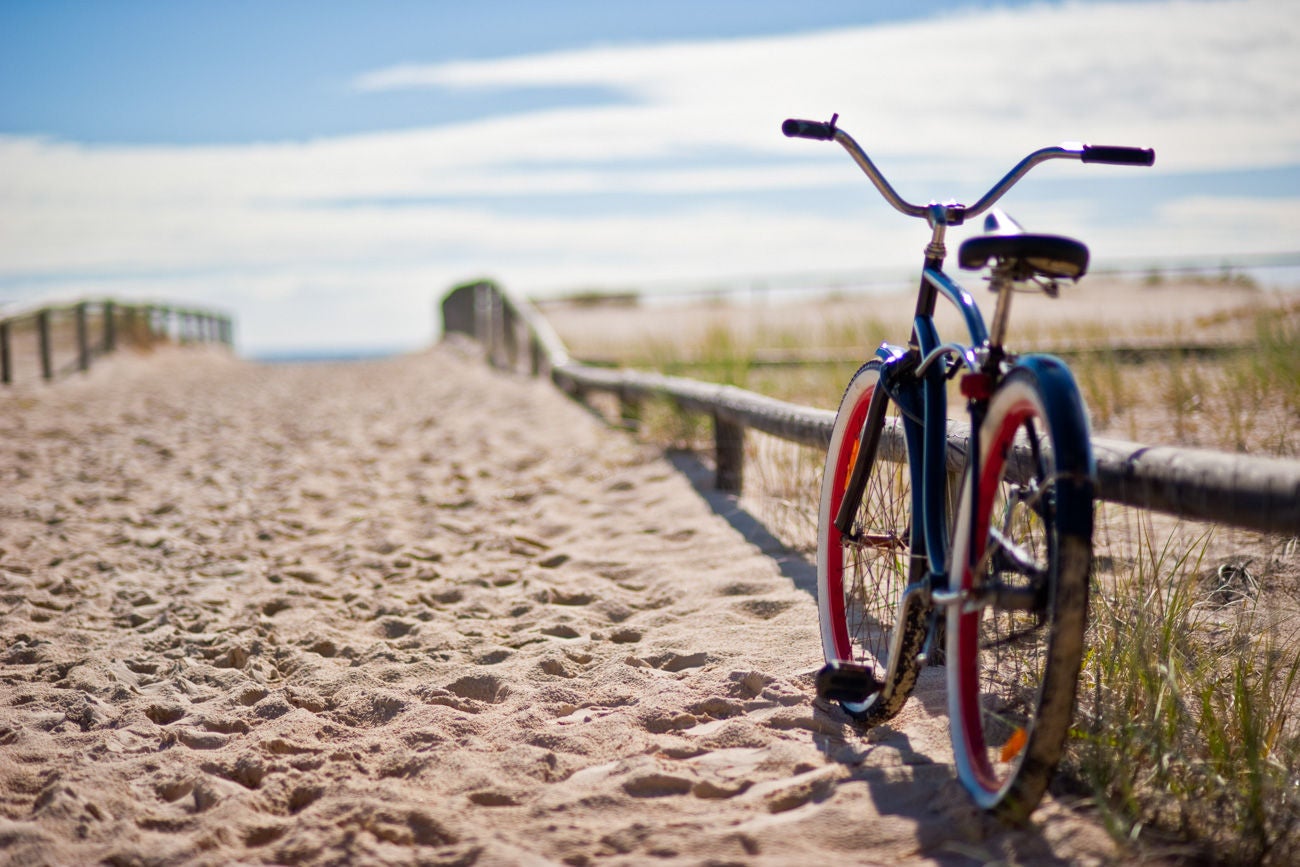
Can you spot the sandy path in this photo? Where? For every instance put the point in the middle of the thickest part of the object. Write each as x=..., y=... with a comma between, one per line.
x=418, y=612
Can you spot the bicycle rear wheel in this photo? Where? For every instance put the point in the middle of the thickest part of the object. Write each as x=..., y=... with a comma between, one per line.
x=864, y=614
x=1015, y=642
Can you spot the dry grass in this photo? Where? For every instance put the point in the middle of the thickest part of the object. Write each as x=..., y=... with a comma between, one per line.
x=1186, y=724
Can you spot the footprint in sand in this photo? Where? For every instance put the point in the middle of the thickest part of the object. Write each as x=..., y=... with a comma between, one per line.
x=302, y=797
x=494, y=656
x=366, y=709
x=493, y=798
x=671, y=662
x=554, y=596
x=764, y=609
x=395, y=627
x=263, y=835
x=658, y=785
x=810, y=786
x=164, y=714
x=561, y=631
x=197, y=740
x=742, y=589
x=248, y=770
x=557, y=667
x=480, y=687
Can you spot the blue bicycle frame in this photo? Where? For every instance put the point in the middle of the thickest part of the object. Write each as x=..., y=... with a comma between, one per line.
x=923, y=400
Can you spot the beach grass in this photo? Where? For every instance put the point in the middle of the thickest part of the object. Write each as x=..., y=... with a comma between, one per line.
x=1186, y=728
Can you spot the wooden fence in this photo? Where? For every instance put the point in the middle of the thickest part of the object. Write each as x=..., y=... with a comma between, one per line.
x=52, y=340
x=1197, y=484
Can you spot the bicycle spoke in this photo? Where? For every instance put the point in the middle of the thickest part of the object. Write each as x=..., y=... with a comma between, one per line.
x=877, y=541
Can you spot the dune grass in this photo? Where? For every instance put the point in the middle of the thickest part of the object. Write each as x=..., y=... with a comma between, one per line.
x=1186, y=727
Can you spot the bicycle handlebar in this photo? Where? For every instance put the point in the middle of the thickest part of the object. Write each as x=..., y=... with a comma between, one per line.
x=809, y=129
x=1118, y=155
x=954, y=214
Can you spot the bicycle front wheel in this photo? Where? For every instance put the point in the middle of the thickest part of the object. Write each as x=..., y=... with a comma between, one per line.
x=865, y=616
x=1015, y=641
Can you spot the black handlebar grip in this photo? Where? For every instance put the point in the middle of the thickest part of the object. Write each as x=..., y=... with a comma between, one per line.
x=1118, y=155
x=809, y=129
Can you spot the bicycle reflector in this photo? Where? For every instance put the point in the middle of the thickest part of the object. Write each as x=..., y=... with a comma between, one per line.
x=976, y=386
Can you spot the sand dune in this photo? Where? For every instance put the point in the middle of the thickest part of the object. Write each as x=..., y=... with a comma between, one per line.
x=418, y=612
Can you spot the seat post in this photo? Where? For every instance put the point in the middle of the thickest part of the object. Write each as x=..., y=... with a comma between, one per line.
x=1001, y=282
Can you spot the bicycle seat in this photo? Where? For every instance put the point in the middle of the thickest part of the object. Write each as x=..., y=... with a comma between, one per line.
x=1031, y=255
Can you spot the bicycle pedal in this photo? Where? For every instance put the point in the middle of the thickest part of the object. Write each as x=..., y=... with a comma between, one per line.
x=847, y=682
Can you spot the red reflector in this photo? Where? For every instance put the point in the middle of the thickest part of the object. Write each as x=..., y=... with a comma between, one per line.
x=976, y=386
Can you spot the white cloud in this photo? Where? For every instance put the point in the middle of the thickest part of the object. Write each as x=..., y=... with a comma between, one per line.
x=944, y=105
x=1208, y=82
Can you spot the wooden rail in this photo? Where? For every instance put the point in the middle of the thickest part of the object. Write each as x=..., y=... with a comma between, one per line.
x=1197, y=484
x=86, y=330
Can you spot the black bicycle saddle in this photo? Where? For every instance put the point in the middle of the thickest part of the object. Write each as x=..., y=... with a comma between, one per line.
x=1052, y=256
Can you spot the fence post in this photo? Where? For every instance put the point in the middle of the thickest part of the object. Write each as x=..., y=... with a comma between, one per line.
x=509, y=334
x=43, y=344
x=534, y=355
x=83, y=338
x=729, y=453
x=6, y=360
x=498, y=328
x=110, y=327
x=459, y=309
x=629, y=409
x=483, y=317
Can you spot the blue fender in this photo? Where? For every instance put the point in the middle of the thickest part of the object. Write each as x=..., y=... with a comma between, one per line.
x=1067, y=418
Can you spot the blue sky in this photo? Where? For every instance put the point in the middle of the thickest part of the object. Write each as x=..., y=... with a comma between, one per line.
x=355, y=160
x=198, y=73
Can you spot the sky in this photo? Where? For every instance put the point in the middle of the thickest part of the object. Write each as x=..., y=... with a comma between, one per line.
x=327, y=171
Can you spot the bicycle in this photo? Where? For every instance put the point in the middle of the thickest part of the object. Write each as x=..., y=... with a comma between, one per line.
x=998, y=590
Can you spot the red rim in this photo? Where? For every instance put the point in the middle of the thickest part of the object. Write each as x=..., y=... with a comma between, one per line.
x=835, y=559
x=968, y=623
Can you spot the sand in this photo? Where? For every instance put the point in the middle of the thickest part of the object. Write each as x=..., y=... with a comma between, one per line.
x=420, y=612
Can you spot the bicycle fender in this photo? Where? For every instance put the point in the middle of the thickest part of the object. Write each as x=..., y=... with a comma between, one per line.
x=1068, y=419
x=890, y=353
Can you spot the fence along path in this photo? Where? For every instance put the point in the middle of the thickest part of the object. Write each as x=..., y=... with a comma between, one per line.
x=50, y=340
x=1244, y=491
